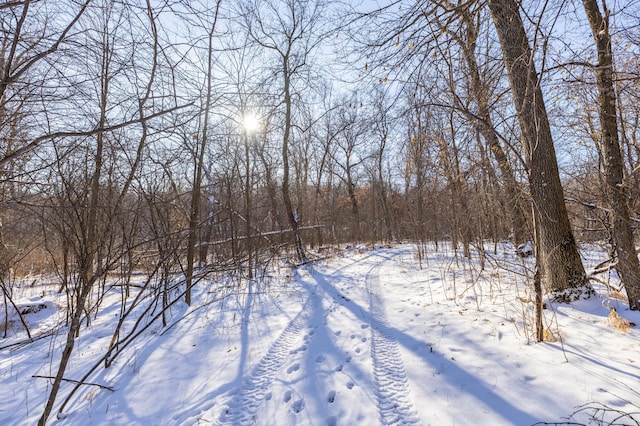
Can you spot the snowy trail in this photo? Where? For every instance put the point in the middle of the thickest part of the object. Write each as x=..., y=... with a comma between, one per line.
x=367, y=337
x=395, y=403
x=390, y=391
x=375, y=374
x=242, y=409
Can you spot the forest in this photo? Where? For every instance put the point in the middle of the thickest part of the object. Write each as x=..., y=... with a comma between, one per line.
x=149, y=148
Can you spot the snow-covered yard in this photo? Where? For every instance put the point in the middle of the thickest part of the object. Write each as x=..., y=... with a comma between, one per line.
x=363, y=337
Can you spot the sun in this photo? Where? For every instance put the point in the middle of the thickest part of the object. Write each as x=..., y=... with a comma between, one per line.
x=250, y=122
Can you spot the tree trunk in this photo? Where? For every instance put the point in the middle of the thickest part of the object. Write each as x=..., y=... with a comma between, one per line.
x=460, y=191
x=562, y=267
x=388, y=235
x=628, y=265
x=286, y=196
x=247, y=200
x=209, y=223
x=480, y=93
x=355, y=210
x=194, y=213
x=87, y=272
x=271, y=193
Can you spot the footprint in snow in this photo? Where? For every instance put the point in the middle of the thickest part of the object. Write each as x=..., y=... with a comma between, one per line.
x=353, y=336
x=363, y=326
x=347, y=358
x=287, y=396
x=320, y=359
x=268, y=396
x=331, y=397
x=339, y=332
x=350, y=385
x=364, y=339
x=294, y=367
x=300, y=349
x=339, y=367
x=298, y=406
x=357, y=350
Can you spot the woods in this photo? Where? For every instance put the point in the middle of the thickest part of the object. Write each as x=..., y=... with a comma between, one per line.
x=124, y=148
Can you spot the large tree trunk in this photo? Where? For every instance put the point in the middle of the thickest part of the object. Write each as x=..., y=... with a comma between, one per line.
x=628, y=265
x=561, y=264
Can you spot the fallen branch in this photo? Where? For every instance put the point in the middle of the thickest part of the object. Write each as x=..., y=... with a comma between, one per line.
x=607, y=265
x=22, y=343
x=77, y=382
x=606, y=284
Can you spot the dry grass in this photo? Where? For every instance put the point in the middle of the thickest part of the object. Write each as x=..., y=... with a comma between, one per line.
x=617, y=322
x=34, y=262
x=615, y=294
x=11, y=327
x=549, y=336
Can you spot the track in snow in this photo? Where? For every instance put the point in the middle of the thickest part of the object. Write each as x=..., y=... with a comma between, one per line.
x=242, y=409
x=392, y=388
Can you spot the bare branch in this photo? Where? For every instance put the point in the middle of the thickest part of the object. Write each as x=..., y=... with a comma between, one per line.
x=37, y=141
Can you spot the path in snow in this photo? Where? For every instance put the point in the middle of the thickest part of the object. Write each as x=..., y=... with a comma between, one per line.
x=395, y=404
x=390, y=392
x=243, y=407
x=345, y=342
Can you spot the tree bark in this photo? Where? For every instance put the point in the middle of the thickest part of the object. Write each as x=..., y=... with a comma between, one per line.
x=561, y=267
x=628, y=265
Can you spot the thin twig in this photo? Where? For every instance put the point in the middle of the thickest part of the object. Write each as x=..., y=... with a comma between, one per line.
x=76, y=382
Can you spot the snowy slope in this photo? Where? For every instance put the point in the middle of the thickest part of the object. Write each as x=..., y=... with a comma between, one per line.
x=366, y=337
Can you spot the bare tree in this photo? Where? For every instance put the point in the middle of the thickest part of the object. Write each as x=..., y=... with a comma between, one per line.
x=479, y=90
x=21, y=53
x=289, y=31
x=561, y=264
x=616, y=186
x=350, y=140
x=194, y=213
x=96, y=203
x=382, y=123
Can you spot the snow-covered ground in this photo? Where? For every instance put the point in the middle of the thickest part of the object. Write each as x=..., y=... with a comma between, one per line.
x=364, y=337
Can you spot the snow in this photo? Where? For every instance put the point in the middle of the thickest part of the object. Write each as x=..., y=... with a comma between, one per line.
x=364, y=337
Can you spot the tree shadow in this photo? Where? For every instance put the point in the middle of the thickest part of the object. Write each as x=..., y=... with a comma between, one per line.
x=456, y=375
